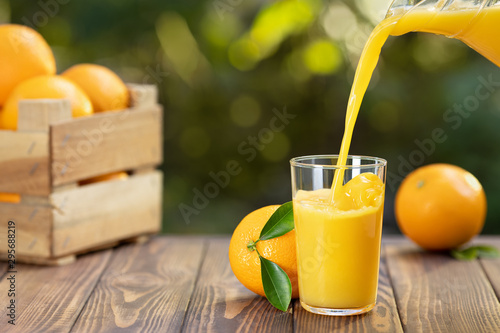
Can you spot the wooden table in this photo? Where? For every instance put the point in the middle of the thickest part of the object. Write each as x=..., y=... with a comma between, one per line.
x=173, y=284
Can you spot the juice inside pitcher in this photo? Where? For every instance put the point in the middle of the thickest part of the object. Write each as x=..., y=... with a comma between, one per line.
x=476, y=28
x=354, y=266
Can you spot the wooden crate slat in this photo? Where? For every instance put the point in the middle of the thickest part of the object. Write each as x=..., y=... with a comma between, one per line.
x=100, y=213
x=51, y=151
x=142, y=94
x=112, y=141
x=36, y=115
x=221, y=301
x=146, y=288
x=24, y=162
x=436, y=293
x=33, y=228
x=49, y=299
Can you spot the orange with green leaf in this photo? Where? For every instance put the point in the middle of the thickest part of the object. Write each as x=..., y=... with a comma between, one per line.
x=262, y=254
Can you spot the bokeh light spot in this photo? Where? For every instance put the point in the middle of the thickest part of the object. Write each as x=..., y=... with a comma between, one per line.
x=4, y=11
x=181, y=47
x=244, y=54
x=322, y=57
x=277, y=149
x=245, y=111
x=278, y=21
x=195, y=142
x=273, y=24
x=338, y=20
x=435, y=53
x=374, y=10
x=220, y=34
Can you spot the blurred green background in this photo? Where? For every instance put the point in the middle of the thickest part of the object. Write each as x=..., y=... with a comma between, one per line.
x=225, y=68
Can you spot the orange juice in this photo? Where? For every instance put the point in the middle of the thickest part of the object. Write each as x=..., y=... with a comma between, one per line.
x=364, y=71
x=338, y=246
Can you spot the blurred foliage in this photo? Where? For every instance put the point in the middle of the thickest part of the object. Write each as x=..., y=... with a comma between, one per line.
x=225, y=68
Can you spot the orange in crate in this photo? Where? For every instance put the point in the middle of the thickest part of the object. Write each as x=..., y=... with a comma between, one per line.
x=109, y=176
x=10, y=197
x=105, y=89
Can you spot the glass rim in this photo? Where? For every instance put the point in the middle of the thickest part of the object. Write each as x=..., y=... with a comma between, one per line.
x=298, y=162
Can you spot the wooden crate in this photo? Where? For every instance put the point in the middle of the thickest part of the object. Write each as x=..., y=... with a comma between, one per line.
x=51, y=152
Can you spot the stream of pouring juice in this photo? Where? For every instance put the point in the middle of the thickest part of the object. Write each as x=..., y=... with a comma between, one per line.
x=342, y=240
x=479, y=30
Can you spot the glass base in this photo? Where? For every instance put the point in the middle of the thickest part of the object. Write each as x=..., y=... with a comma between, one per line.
x=337, y=312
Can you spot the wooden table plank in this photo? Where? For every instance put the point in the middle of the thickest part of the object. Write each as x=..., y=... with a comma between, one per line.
x=492, y=266
x=383, y=318
x=186, y=284
x=492, y=269
x=221, y=303
x=3, y=268
x=146, y=288
x=49, y=299
x=436, y=293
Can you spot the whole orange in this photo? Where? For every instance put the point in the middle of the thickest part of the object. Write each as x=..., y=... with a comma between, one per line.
x=246, y=264
x=23, y=54
x=440, y=206
x=44, y=86
x=105, y=89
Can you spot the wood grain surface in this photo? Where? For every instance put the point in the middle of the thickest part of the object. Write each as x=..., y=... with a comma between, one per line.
x=436, y=293
x=100, y=213
x=142, y=94
x=220, y=303
x=112, y=141
x=24, y=162
x=33, y=228
x=49, y=299
x=185, y=284
x=492, y=266
x=492, y=269
x=146, y=287
x=36, y=115
x=3, y=268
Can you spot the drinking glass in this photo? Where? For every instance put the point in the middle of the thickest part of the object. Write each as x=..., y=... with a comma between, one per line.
x=338, y=251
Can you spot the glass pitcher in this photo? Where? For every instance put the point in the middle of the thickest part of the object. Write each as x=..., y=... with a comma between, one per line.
x=475, y=22
x=399, y=7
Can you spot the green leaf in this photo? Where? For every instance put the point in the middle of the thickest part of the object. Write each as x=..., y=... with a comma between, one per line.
x=478, y=251
x=487, y=251
x=277, y=285
x=279, y=223
x=465, y=254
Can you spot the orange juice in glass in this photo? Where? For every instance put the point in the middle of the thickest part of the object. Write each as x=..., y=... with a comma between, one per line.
x=338, y=241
